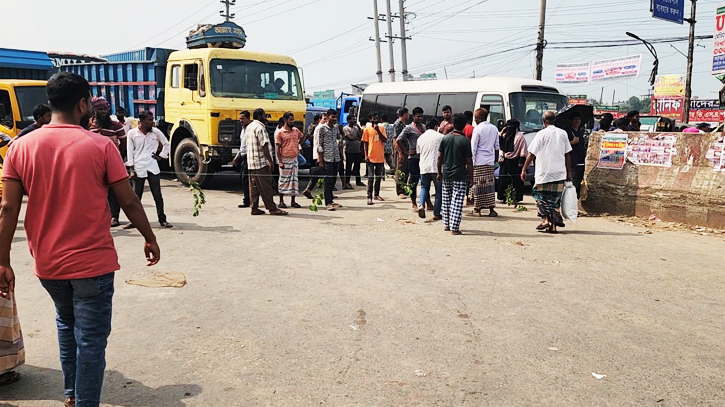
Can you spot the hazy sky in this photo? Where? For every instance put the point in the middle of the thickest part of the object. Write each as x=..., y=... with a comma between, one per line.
x=329, y=39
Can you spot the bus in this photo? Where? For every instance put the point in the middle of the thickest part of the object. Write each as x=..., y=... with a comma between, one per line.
x=505, y=98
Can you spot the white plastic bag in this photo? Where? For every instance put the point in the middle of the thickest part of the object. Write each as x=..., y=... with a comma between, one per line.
x=569, y=202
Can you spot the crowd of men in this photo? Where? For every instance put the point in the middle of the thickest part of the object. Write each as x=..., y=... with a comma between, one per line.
x=458, y=156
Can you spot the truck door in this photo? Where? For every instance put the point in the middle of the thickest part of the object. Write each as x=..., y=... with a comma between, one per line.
x=193, y=99
x=172, y=104
x=7, y=114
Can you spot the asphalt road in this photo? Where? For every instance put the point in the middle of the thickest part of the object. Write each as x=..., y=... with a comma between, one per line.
x=372, y=306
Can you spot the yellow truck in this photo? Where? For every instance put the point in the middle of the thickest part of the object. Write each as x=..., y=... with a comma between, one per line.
x=197, y=94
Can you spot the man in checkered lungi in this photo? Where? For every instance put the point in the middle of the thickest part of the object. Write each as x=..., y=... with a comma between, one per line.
x=455, y=169
x=551, y=150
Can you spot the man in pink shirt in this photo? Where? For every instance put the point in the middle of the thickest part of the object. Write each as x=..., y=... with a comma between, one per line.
x=66, y=172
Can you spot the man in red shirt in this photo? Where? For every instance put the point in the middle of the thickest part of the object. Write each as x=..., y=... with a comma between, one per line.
x=66, y=171
x=468, y=130
x=102, y=124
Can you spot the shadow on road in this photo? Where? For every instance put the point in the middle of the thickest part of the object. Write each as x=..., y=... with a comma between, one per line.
x=596, y=233
x=39, y=383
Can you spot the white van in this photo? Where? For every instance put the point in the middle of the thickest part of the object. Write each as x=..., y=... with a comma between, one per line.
x=505, y=98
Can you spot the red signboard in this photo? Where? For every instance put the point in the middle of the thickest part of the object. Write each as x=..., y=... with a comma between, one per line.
x=669, y=107
x=707, y=116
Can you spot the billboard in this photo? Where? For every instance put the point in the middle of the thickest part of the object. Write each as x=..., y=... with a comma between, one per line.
x=670, y=86
x=718, y=42
x=669, y=107
x=573, y=73
x=616, y=68
x=706, y=110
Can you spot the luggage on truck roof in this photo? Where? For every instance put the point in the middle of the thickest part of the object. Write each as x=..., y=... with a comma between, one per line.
x=224, y=35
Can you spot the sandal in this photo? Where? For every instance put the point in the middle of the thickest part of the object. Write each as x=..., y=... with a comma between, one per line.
x=256, y=212
x=492, y=214
x=9, y=378
x=279, y=213
x=421, y=212
x=370, y=201
x=542, y=226
x=282, y=205
x=456, y=233
x=129, y=226
x=379, y=198
x=296, y=205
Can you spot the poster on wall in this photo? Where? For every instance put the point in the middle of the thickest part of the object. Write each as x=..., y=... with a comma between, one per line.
x=573, y=73
x=715, y=155
x=617, y=68
x=613, y=151
x=652, y=149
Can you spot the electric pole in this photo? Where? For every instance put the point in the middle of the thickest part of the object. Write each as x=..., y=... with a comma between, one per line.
x=540, y=42
x=376, y=19
x=227, y=15
x=690, y=52
x=403, y=38
x=390, y=42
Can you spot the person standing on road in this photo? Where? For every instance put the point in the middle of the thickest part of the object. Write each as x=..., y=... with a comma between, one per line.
x=388, y=143
x=407, y=142
x=468, y=131
x=317, y=170
x=514, y=149
x=427, y=147
x=400, y=156
x=42, y=115
x=550, y=148
x=143, y=143
x=373, y=143
x=288, y=142
x=241, y=158
x=455, y=170
x=578, y=155
x=329, y=156
x=485, y=148
x=102, y=124
x=446, y=125
x=259, y=161
x=121, y=118
x=353, y=153
x=75, y=258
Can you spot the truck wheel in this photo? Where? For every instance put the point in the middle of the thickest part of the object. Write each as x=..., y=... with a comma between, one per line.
x=189, y=164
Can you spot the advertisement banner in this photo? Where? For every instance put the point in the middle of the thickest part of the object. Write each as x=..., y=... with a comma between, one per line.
x=670, y=86
x=577, y=99
x=716, y=155
x=652, y=149
x=614, y=110
x=706, y=111
x=617, y=68
x=669, y=107
x=613, y=151
x=718, y=42
x=669, y=10
x=573, y=73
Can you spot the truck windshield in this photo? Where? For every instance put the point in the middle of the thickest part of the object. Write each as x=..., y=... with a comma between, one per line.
x=529, y=107
x=28, y=98
x=254, y=80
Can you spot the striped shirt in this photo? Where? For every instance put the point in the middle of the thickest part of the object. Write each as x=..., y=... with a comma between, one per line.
x=328, y=144
x=113, y=131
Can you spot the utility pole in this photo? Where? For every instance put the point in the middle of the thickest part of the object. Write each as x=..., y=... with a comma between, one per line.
x=540, y=42
x=227, y=15
x=376, y=19
x=690, y=52
x=390, y=42
x=403, y=39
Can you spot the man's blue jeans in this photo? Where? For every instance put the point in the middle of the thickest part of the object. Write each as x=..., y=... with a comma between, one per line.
x=83, y=309
x=425, y=180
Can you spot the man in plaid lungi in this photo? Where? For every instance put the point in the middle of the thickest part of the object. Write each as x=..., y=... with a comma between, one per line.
x=551, y=150
x=455, y=169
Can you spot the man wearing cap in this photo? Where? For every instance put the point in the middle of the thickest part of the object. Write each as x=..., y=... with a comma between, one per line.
x=102, y=124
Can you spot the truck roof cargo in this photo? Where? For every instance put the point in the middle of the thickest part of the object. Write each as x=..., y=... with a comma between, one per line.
x=224, y=35
x=21, y=64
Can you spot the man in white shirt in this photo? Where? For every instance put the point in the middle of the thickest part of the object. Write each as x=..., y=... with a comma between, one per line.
x=485, y=148
x=142, y=146
x=551, y=149
x=427, y=146
x=241, y=158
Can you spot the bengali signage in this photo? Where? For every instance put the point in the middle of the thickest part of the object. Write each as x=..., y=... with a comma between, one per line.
x=706, y=111
x=669, y=107
x=613, y=151
x=669, y=86
x=577, y=99
x=669, y=10
x=616, y=68
x=573, y=73
x=718, y=42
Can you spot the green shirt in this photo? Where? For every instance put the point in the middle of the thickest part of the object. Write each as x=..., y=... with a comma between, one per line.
x=456, y=149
